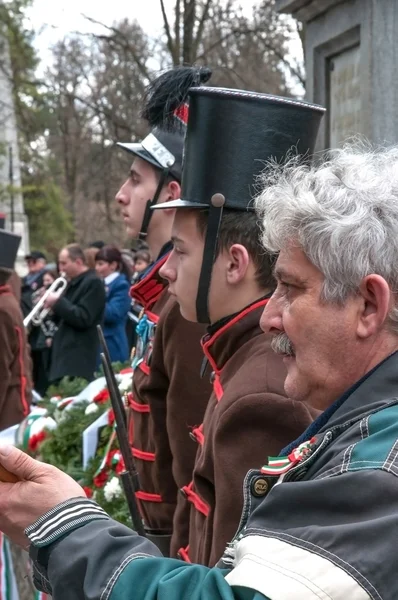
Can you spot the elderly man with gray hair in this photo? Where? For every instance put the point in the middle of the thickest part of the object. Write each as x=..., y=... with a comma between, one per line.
x=324, y=524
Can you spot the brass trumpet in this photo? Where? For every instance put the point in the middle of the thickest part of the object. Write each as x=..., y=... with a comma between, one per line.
x=38, y=313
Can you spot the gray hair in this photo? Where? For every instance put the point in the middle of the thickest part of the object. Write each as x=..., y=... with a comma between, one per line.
x=342, y=213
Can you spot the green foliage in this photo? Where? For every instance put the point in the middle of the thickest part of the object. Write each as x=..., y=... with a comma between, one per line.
x=28, y=97
x=49, y=222
x=62, y=447
x=117, y=508
x=66, y=388
x=117, y=367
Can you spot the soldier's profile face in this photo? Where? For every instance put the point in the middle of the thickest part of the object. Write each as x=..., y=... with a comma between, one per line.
x=182, y=268
x=132, y=198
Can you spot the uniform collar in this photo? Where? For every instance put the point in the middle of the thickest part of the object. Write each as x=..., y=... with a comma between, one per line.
x=226, y=336
x=149, y=287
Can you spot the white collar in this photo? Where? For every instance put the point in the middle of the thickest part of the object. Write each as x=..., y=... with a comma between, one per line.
x=109, y=278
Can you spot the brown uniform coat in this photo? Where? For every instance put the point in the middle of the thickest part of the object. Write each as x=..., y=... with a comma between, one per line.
x=15, y=375
x=247, y=419
x=168, y=399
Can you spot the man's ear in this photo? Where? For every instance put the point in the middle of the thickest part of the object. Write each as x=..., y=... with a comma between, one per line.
x=377, y=301
x=173, y=192
x=238, y=262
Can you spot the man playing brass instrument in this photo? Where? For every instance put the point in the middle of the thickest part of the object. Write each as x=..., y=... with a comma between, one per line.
x=77, y=313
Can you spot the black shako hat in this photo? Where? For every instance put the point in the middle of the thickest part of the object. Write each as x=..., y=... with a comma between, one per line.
x=9, y=244
x=230, y=135
x=166, y=112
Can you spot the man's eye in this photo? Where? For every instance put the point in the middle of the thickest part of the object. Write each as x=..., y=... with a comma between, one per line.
x=284, y=288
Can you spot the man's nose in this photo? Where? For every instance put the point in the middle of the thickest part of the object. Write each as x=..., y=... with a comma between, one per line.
x=122, y=197
x=167, y=270
x=271, y=319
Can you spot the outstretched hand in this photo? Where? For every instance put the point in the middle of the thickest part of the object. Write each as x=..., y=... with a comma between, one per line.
x=39, y=488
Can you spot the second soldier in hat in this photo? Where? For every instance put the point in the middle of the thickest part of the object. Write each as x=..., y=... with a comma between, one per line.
x=220, y=275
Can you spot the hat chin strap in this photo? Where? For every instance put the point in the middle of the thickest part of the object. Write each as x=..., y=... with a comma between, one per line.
x=209, y=256
x=148, y=212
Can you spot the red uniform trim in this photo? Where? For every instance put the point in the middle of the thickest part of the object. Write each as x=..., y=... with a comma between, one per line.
x=148, y=290
x=183, y=553
x=136, y=406
x=147, y=497
x=147, y=456
x=194, y=498
x=217, y=387
x=144, y=367
x=152, y=316
x=22, y=378
x=197, y=432
x=209, y=342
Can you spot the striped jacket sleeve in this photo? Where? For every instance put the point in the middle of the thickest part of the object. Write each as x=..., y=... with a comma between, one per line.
x=79, y=553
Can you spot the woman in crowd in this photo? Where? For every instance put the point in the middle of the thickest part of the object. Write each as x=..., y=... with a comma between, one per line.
x=142, y=260
x=90, y=253
x=111, y=267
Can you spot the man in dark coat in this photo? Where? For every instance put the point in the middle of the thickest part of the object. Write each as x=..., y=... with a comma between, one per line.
x=15, y=363
x=77, y=312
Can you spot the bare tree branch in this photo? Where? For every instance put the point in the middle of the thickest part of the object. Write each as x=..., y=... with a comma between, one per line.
x=269, y=46
x=201, y=26
x=170, y=43
x=117, y=34
x=177, y=27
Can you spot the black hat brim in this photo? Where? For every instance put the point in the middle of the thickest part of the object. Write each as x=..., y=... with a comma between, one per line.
x=138, y=150
x=179, y=204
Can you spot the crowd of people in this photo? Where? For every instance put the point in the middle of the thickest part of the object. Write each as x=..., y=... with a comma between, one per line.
x=65, y=341
x=267, y=328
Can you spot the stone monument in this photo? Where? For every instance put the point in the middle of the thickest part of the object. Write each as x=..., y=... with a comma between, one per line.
x=351, y=52
x=11, y=200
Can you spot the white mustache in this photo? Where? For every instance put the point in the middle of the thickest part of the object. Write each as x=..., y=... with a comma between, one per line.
x=282, y=345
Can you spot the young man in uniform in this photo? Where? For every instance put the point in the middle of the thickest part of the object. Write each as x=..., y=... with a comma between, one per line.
x=15, y=363
x=168, y=397
x=220, y=275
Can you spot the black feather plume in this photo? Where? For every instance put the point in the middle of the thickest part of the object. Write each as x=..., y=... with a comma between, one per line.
x=168, y=92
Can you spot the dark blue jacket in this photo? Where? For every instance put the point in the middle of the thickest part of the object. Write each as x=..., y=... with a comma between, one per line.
x=118, y=304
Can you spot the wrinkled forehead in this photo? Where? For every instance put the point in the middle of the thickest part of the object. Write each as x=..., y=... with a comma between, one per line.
x=293, y=265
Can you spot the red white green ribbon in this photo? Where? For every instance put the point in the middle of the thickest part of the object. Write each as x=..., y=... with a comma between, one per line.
x=278, y=465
